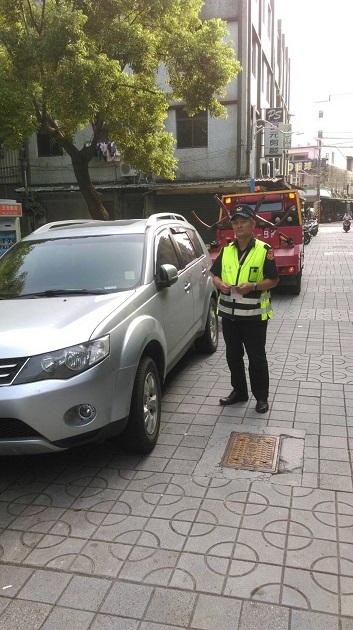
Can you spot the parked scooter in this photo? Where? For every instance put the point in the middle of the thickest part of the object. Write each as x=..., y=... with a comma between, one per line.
x=346, y=225
x=310, y=225
x=307, y=234
x=314, y=226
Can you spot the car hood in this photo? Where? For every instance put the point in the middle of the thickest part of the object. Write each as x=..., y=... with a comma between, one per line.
x=39, y=325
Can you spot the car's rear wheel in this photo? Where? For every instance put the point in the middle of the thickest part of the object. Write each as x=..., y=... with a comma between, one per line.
x=208, y=343
x=142, y=430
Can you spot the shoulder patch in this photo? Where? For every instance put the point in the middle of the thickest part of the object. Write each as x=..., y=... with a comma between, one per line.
x=270, y=254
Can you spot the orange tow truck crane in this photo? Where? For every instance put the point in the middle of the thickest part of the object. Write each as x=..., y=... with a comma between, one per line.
x=278, y=222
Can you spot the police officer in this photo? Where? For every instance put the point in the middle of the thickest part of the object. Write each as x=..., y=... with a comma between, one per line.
x=243, y=273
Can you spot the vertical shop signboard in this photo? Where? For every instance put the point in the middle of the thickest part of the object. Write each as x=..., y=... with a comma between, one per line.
x=273, y=141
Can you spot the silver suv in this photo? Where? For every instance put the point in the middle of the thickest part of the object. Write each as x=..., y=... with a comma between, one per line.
x=93, y=315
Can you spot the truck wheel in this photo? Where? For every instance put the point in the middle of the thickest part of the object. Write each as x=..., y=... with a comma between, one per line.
x=208, y=343
x=296, y=288
x=141, y=433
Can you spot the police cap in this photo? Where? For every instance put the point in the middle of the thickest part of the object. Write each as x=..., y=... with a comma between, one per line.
x=242, y=210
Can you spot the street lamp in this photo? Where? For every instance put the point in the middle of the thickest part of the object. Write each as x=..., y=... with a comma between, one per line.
x=318, y=182
x=327, y=100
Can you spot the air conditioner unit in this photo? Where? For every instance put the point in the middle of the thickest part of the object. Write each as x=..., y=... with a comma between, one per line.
x=265, y=168
x=127, y=171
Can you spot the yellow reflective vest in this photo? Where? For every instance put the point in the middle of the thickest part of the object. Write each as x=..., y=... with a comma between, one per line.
x=255, y=304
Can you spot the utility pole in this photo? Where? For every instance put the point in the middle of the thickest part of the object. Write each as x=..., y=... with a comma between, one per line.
x=318, y=191
x=253, y=151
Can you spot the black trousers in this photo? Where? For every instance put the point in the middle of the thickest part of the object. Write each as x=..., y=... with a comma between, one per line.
x=251, y=335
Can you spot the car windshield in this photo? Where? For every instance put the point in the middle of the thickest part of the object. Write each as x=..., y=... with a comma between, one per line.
x=79, y=265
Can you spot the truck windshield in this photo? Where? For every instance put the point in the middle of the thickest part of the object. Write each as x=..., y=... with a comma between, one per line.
x=268, y=206
x=273, y=207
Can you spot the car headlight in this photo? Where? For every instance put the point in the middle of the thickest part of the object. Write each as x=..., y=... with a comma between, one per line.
x=65, y=363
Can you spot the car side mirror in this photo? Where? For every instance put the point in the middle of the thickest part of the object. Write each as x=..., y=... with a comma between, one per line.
x=167, y=275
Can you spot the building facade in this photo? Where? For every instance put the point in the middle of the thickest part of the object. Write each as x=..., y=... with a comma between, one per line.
x=214, y=154
x=326, y=173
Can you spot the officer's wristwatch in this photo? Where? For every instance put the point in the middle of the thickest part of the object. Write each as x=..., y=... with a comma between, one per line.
x=255, y=285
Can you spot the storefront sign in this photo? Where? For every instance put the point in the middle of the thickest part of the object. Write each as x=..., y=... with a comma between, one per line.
x=300, y=166
x=10, y=209
x=273, y=141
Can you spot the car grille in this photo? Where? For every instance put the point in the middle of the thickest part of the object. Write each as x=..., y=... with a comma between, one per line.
x=11, y=428
x=9, y=368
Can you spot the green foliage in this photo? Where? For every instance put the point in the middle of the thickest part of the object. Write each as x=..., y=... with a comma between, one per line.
x=31, y=205
x=66, y=64
x=17, y=120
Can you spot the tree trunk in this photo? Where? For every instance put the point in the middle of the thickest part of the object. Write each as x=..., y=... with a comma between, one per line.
x=80, y=161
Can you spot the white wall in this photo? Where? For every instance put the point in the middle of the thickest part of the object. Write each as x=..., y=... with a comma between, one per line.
x=224, y=9
x=58, y=170
x=216, y=160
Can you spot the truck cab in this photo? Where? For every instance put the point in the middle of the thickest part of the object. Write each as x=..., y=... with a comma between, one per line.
x=278, y=223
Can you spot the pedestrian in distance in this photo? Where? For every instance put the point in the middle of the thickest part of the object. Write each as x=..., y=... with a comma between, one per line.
x=244, y=272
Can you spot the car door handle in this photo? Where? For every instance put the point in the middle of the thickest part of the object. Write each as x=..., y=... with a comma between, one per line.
x=187, y=286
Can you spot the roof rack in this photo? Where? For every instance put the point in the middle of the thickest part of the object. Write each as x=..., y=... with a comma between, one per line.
x=56, y=224
x=162, y=216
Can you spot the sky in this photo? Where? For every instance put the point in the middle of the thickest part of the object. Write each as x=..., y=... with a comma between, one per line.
x=319, y=36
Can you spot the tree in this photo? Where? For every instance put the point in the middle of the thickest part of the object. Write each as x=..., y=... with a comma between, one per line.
x=66, y=64
x=32, y=208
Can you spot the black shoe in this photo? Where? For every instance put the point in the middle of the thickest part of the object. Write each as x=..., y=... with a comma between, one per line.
x=261, y=406
x=234, y=397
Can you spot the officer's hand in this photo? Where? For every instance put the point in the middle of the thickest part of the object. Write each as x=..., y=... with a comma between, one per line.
x=224, y=287
x=245, y=288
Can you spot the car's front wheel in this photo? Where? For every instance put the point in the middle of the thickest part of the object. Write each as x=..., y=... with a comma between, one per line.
x=208, y=343
x=142, y=430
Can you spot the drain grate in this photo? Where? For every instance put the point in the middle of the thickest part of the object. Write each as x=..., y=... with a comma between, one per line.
x=250, y=451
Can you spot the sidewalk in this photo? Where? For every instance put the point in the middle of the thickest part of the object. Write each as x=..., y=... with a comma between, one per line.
x=99, y=540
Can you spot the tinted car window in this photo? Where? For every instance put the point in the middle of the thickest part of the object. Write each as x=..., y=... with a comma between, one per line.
x=98, y=263
x=186, y=248
x=166, y=253
x=196, y=243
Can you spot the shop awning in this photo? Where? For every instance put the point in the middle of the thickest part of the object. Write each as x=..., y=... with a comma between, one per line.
x=311, y=193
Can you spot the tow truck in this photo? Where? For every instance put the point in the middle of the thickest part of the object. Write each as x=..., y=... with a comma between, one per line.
x=278, y=222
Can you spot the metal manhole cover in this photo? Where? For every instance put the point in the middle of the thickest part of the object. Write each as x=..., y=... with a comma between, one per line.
x=250, y=451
